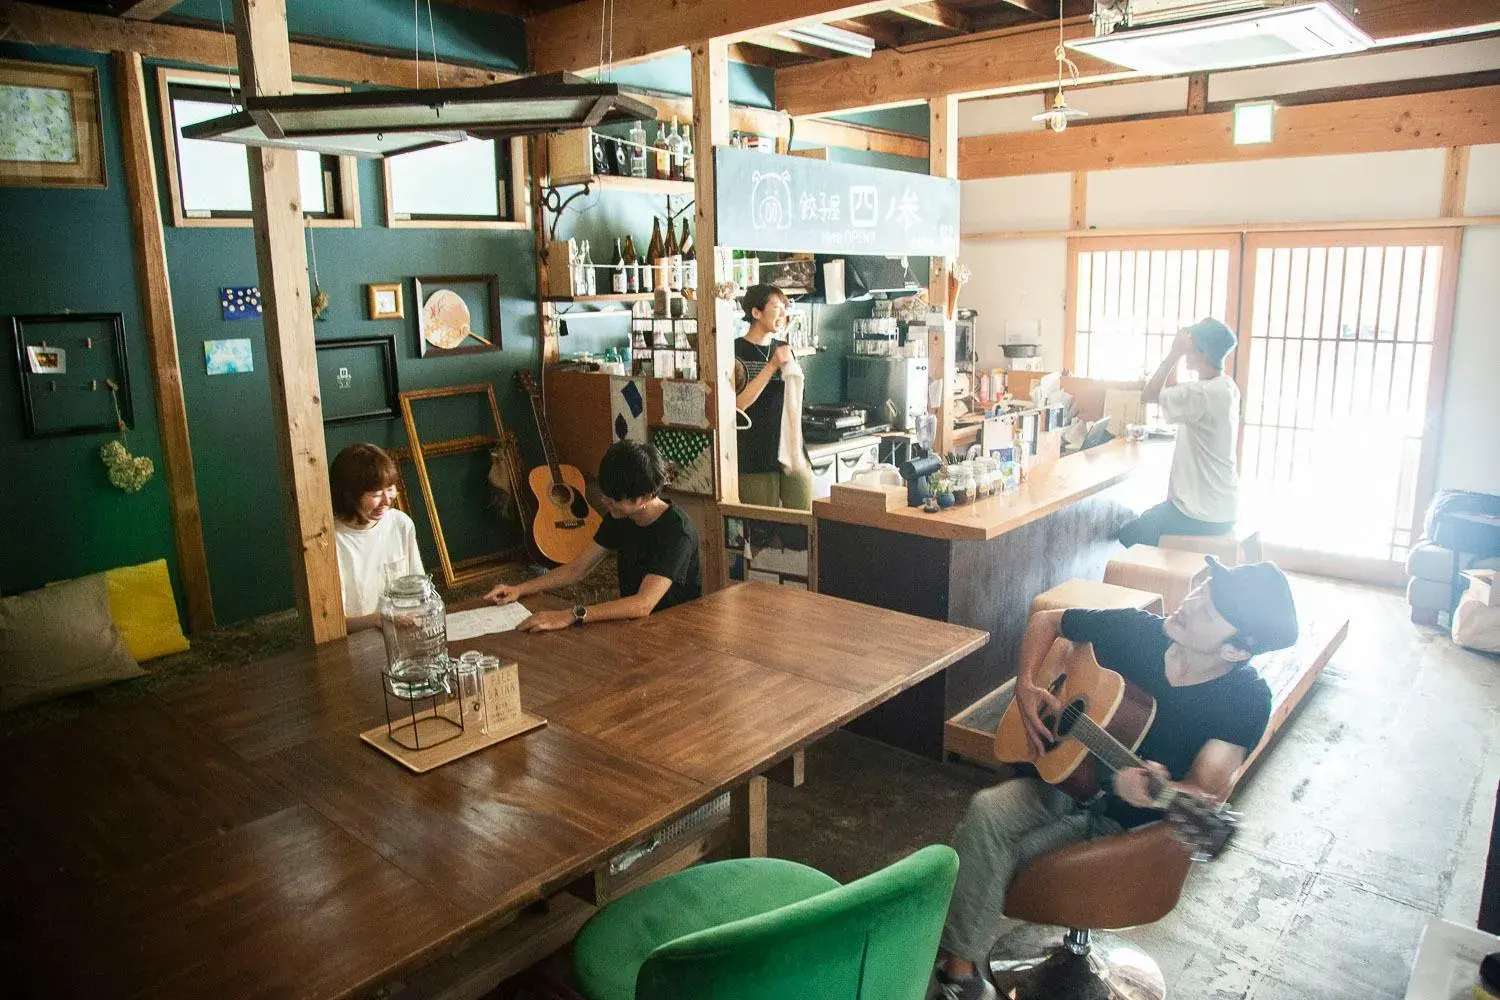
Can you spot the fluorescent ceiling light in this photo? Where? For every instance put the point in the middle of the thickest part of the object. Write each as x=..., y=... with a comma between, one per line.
x=1254, y=122
x=826, y=36
x=376, y=123
x=1257, y=38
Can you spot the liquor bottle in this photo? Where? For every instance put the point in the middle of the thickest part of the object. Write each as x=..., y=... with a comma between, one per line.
x=590, y=279
x=654, y=255
x=617, y=282
x=632, y=267
x=689, y=169
x=638, y=150
x=689, y=259
x=661, y=154
x=674, y=149
x=674, y=259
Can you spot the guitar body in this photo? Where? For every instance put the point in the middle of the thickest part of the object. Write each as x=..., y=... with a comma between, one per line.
x=1073, y=674
x=565, y=523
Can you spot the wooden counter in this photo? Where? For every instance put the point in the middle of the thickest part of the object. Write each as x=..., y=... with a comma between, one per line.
x=980, y=565
x=1048, y=488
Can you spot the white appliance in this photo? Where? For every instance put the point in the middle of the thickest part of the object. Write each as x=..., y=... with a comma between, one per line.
x=889, y=390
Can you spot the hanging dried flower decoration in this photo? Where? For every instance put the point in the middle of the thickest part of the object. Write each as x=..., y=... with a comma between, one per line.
x=127, y=472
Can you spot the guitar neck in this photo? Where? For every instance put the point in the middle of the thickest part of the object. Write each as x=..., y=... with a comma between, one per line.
x=1114, y=754
x=545, y=433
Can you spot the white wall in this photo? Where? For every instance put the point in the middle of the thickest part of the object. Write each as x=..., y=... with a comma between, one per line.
x=1470, y=455
x=1021, y=281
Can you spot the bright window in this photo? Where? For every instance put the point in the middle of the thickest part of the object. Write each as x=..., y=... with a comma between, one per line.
x=465, y=181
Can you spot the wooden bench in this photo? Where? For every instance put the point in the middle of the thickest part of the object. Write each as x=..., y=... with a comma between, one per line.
x=1241, y=545
x=1078, y=593
x=1168, y=572
x=1290, y=673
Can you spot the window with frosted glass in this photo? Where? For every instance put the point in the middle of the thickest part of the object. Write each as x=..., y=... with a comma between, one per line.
x=213, y=178
x=458, y=181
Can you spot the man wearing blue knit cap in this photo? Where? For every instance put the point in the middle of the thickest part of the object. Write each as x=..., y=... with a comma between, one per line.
x=1203, y=494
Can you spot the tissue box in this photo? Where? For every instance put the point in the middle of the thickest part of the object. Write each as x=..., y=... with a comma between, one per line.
x=1482, y=586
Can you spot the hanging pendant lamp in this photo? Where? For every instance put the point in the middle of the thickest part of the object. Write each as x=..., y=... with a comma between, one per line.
x=1060, y=113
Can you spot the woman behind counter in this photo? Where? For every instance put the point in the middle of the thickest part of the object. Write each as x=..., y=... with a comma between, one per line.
x=375, y=541
x=759, y=364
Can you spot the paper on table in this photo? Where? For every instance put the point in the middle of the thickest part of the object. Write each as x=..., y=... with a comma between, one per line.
x=485, y=621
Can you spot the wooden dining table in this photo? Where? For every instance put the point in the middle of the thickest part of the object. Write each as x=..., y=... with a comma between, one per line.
x=233, y=837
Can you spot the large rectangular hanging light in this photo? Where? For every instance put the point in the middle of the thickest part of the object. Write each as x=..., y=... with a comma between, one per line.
x=377, y=123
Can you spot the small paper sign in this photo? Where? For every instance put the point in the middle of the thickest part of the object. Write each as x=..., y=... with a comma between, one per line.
x=502, y=697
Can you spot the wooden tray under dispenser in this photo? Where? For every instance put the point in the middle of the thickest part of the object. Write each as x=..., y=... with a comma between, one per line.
x=424, y=760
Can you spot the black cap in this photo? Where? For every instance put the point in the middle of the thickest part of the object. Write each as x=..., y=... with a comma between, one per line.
x=1257, y=600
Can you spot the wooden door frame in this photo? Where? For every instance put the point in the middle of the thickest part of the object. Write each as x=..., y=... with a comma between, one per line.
x=1450, y=239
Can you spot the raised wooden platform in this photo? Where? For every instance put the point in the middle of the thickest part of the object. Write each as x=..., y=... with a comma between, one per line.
x=1290, y=672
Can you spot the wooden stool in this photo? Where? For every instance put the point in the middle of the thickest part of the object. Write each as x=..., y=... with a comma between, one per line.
x=1094, y=594
x=1168, y=572
x=1241, y=545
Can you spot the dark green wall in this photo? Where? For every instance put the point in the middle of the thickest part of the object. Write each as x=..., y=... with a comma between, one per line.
x=71, y=249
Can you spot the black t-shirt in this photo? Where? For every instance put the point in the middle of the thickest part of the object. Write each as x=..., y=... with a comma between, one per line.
x=760, y=444
x=1234, y=708
x=668, y=547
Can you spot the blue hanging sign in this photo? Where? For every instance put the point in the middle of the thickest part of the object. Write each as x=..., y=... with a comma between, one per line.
x=791, y=203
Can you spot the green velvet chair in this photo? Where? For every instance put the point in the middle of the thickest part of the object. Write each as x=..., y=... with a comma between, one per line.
x=768, y=929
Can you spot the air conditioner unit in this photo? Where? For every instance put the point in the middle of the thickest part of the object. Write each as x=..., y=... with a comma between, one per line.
x=1250, y=38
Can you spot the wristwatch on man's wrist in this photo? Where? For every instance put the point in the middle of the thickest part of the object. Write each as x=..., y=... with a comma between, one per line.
x=580, y=614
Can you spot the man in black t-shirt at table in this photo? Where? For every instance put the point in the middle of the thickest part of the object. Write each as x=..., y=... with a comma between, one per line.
x=656, y=544
x=1211, y=710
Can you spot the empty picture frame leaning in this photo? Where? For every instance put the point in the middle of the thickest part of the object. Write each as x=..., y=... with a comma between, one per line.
x=50, y=130
x=72, y=396
x=357, y=379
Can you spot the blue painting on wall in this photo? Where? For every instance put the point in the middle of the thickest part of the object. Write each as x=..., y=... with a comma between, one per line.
x=240, y=303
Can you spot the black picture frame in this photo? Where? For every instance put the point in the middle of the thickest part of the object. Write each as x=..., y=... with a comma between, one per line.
x=488, y=312
x=329, y=391
x=100, y=413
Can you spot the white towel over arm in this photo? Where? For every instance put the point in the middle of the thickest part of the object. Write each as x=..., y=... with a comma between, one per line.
x=792, y=455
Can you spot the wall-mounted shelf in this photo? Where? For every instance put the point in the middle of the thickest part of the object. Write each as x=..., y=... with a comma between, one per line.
x=611, y=297
x=641, y=185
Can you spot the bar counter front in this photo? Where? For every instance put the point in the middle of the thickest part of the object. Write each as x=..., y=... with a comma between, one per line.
x=981, y=564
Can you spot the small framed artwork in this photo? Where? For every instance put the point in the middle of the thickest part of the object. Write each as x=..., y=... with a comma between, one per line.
x=73, y=374
x=228, y=357
x=51, y=134
x=457, y=314
x=357, y=379
x=387, y=301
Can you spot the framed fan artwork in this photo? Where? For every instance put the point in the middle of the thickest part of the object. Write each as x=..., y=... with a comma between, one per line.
x=457, y=314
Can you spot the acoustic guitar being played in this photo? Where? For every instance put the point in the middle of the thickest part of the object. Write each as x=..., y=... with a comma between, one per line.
x=565, y=524
x=1104, y=718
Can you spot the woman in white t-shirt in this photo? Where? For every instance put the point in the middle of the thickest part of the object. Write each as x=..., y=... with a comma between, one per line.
x=375, y=540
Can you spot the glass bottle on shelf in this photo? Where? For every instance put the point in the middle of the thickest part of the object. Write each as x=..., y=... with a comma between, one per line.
x=674, y=149
x=655, y=254
x=632, y=267
x=590, y=279
x=689, y=258
x=661, y=154
x=689, y=169
x=638, y=150
x=673, y=254
x=617, y=283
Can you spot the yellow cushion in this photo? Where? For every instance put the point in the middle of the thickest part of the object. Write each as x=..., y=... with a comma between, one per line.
x=144, y=610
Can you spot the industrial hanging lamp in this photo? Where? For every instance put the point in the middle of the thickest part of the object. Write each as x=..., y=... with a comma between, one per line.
x=1059, y=114
x=378, y=123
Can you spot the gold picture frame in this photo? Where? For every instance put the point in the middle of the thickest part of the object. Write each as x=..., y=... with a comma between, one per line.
x=51, y=134
x=387, y=300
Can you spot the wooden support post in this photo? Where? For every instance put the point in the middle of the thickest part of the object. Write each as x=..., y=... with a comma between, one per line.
x=791, y=772
x=1078, y=201
x=161, y=341
x=540, y=162
x=281, y=253
x=710, y=63
x=1455, y=182
x=942, y=145
x=1197, y=101
x=747, y=819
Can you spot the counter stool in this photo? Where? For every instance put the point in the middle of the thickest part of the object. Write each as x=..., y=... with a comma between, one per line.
x=1168, y=572
x=1077, y=593
x=1241, y=545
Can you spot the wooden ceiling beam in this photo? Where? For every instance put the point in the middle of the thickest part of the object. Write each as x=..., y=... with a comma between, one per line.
x=744, y=52
x=143, y=10
x=205, y=47
x=826, y=132
x=938, y=15
x=885, y=37
x=1373, y=125
x=568, y=38
x=1045, y=9
x=790, y=45
x=1021, y=59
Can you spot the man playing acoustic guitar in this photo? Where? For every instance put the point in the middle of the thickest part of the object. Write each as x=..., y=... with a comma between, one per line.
x=1211, y=709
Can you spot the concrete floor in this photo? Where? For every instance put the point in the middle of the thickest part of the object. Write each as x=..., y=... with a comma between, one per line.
x=1369, y=815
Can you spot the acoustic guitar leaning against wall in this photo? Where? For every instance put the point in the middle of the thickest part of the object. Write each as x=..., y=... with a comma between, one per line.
x=565, y=523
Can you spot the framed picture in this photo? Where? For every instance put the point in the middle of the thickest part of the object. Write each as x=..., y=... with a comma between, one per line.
x=51, y=134
x=387, y=301
x=457, y=314
x=66, y=363
x=357, y=379
x=228, y=357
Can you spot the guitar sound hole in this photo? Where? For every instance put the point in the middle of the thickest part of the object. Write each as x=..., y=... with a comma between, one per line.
x=1050, y=721
x=1070, y=715
x=561, y=495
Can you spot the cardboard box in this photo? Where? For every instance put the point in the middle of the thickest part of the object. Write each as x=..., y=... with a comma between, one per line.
x=1484, y=586
x=570, y=155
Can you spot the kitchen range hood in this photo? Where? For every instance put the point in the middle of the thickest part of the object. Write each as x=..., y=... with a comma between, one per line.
x=865, y=277
x=377, y=123
x=1152, y=41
